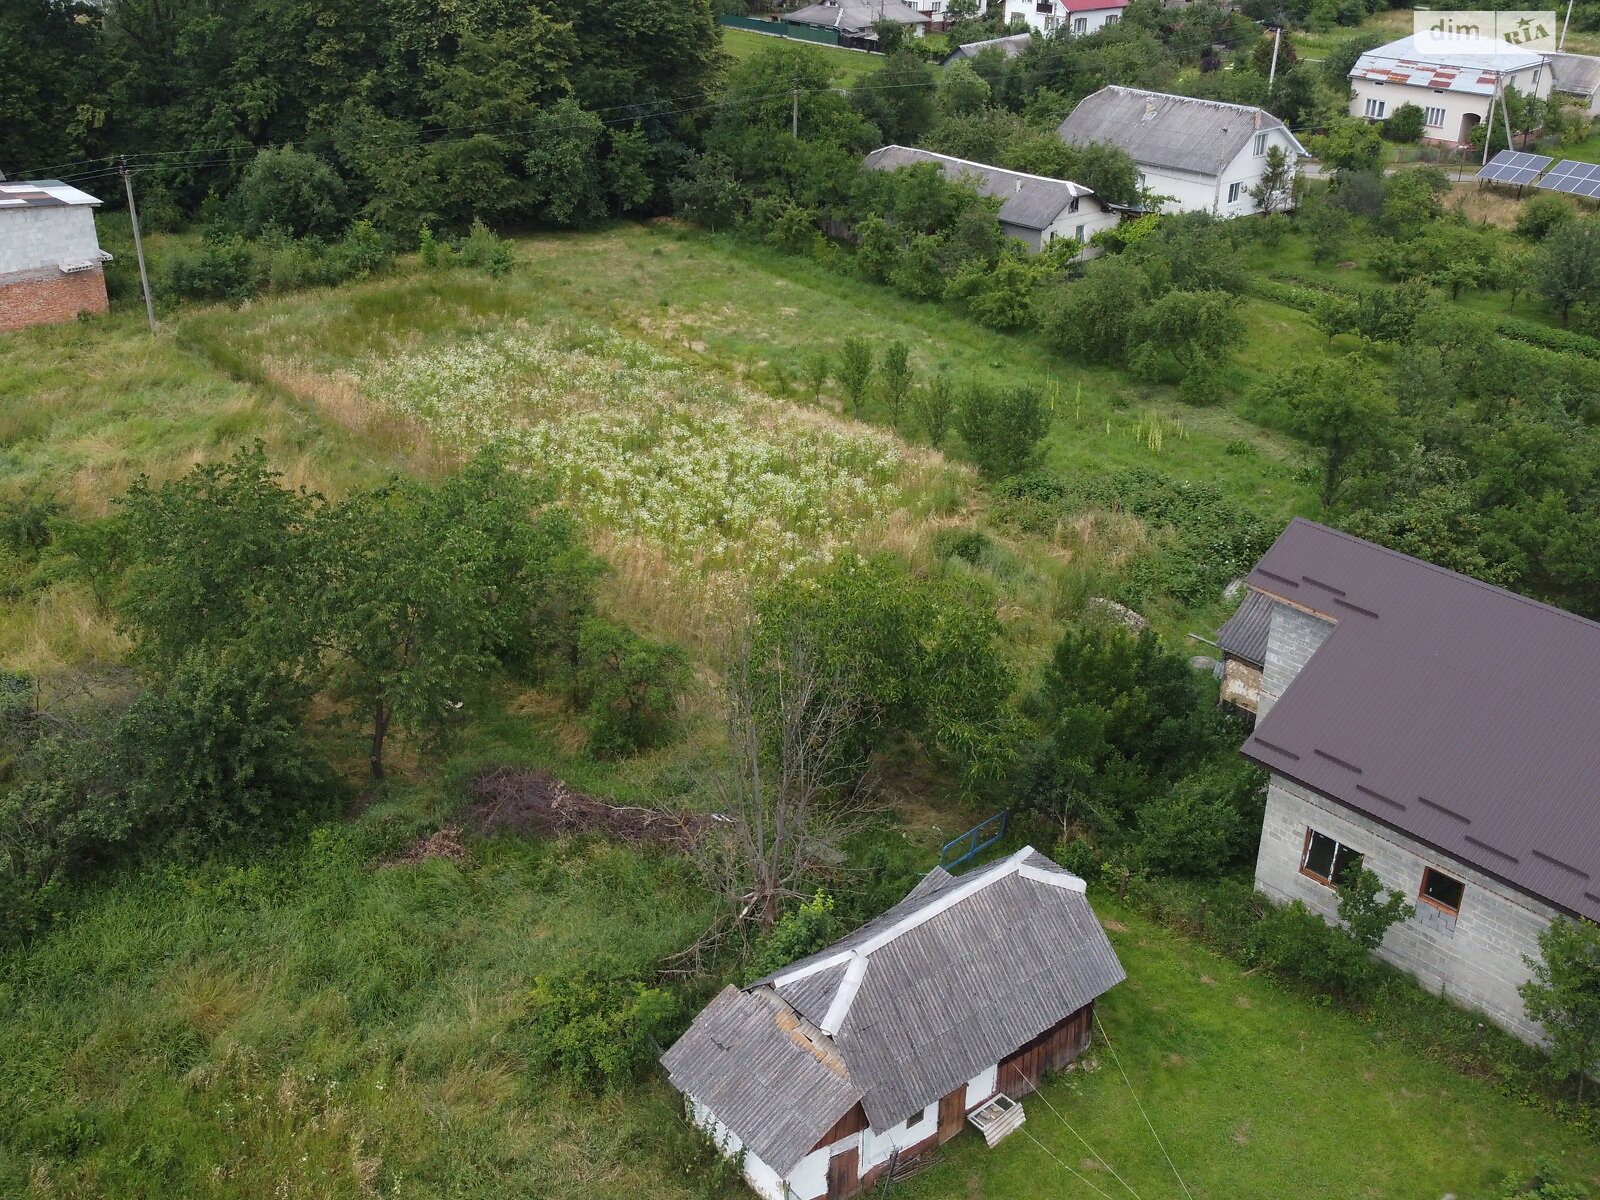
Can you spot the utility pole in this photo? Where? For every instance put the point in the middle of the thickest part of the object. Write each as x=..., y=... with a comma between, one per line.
x=1505, y=111
x=1488, y=126
x=138, y=242
x=794, y=112
x=1272, y=75
x=1562, y=40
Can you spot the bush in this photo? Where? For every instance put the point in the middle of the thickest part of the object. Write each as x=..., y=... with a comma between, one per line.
x=967, y=544
x=1002, y=430
x=595, y=1027
x=292, y=190
x=484, y=250
x=25, y=523
x=1542, y=215
x=629, y=687
x=1405, y=124
x=226, y=269
x=1297, y=945
x=799, y=932
x=361, y=252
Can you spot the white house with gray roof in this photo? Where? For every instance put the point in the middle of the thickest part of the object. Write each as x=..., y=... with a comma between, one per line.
x=1196, y=155
x=831, y=1072
x=853, y=20
x=1034, y=209
x=1453, y=81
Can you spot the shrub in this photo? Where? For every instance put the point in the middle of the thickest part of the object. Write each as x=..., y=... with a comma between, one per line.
x=1405, y=124
x=361, y=252
x=967, y=544
x=484, y=250
x=854, y=370
x=934, y=404
x=25, y=522
x=290, y=189
x=1297, y=945
x=226, y=269
x=629, y=687
x=799, y=932
x=595, y=1027
x=1543, y=215
x=1204, y=821
x=1002, y=430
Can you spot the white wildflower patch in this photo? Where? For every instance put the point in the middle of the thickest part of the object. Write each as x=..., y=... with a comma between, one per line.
x=719, y=475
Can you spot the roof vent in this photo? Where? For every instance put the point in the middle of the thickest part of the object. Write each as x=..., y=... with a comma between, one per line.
x=1149, y=108
x=1019, y=187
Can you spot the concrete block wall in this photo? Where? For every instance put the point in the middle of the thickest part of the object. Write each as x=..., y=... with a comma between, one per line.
x=47, y=297
x=1292, y=638
x=1475, y=958
x=31, y=238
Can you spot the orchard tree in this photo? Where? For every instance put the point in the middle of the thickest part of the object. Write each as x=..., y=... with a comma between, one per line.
x=1350, y=145
x=1564, y=996
x=1567, y=270
x=1198, y=329
x=1340, y=408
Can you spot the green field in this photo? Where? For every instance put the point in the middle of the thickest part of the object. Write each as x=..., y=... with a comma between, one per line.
x=847, y=65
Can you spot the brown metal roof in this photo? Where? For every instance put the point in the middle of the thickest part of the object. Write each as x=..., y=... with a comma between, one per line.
x=1456, y=712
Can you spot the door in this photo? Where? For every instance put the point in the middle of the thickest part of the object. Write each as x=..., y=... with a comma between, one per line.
x=844, y=1174
x=952, y=1112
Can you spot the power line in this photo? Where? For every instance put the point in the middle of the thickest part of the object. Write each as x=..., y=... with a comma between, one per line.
x=1117, y=1059
x=1039, y=1092
x=1086, y=1180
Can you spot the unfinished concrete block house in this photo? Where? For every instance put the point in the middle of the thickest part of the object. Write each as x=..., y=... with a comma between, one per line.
x=1443, y=732
x=850, y=1063
x=51, y=264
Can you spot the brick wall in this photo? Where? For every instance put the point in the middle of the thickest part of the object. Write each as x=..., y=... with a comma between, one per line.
x=48, y=297
x=1475, y=958
x=1292, y=638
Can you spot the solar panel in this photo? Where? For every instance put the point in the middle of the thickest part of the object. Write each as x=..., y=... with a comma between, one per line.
x=1514, y=167
x=1573, y=177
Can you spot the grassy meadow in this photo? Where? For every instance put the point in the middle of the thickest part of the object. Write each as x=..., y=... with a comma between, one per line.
x=847, y=65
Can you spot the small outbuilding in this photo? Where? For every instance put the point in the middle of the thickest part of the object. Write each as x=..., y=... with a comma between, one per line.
x=1243, y=642
x=854, y=20
x=850, y=1063
x=1034, y=209
x=1009, y=47
x=51, y=264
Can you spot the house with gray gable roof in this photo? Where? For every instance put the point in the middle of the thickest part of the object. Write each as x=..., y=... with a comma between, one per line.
x=837, y=1069
x=1577, y=76
x=853, y=20
x=1198, y=155
x=1034, y=209
x=1009, y=46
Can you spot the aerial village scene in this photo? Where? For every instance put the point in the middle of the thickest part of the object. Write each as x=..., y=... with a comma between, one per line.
x=727, y=599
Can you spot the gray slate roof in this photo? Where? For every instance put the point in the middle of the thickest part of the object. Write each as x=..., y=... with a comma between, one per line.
x=1244, y=635
x=948, y=982
x=1011, y=45
x=1028, y=201
x=1160, y=130
x=1456, y=712
x=1575, y=74
x=855, y=16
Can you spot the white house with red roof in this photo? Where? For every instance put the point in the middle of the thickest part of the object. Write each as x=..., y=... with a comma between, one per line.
x=1453, y=81
x=1077, y=17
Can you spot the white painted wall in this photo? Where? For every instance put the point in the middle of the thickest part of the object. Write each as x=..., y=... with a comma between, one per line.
x=31, y=238
x=1188, y=191
x=808, y=1180
x=876, y=1147
x=1456, y=105
x=1055, y=16
x=981, y=1087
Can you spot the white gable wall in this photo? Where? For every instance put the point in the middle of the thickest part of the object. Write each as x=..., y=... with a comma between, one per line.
x=1456, y=106
x=1190, y=191
x=807, y=1181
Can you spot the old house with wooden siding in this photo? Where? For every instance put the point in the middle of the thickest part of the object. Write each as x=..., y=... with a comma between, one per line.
x=853, y=1061
x=1442, y=732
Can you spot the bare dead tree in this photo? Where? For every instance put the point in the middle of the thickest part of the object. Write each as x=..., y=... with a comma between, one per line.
x=789, y=795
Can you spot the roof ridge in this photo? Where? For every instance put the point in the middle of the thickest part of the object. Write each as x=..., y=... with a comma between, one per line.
x=1435, y=567
x=972, y=162
x=1117, y=87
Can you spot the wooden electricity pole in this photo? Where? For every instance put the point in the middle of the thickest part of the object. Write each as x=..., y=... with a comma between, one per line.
x=138, y=242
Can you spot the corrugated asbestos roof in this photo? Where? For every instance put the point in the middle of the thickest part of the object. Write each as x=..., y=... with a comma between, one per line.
x=1244, y=635
x=1575, y=74
x=1456, y=712
x=945, y=984
x=750, y=1061
x=42, y=193
x=1027, y=201
x=1160, y=130
x=855, y=16
x=1011, y=46
x=1469, y=65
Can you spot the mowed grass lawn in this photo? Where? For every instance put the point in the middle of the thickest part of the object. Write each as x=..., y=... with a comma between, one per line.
x=846, y=65
x=1258, y=1095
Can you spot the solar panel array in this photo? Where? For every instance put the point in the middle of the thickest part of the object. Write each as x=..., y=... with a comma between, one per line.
x=1513, y=166
x=1574, y=178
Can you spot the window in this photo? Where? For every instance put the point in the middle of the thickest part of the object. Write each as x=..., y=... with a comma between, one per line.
x=1044, y=6
x=1080, y=25
x=1080, y=234
x=1536, y=71
x=934, y=8
x=1375, y=108
x=1072, y=205
x=1112, y=19
x=1326, y=860
x=1234, y=191
x=1261, y=144
x=1439, y=890
x=1433, y=117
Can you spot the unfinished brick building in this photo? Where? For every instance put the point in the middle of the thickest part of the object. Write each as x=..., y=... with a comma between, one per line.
x=51, y=264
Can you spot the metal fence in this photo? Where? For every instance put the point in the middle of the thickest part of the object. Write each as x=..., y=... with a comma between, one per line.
x=805, y=33
x=974, y=841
